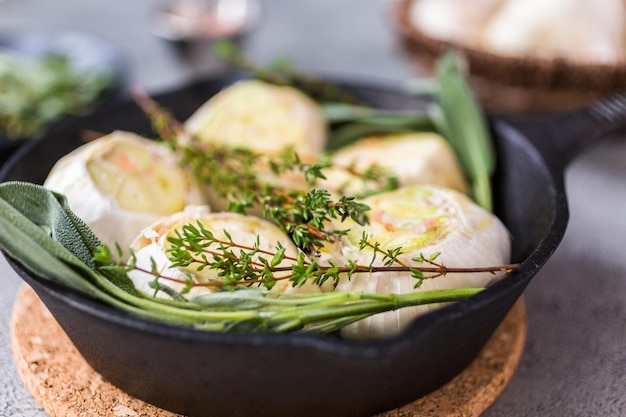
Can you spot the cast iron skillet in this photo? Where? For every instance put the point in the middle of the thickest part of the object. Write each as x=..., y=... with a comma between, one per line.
x=198, y=373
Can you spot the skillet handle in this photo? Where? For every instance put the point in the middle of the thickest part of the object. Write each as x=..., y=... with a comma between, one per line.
x=560, y=137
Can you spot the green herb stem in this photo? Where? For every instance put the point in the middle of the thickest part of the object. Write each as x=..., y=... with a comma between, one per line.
x=364, y=305
x=462, y=122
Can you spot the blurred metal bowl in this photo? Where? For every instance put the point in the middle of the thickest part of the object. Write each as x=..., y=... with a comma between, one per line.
x=199, y=20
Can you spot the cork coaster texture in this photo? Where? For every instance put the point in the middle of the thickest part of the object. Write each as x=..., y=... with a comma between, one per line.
x=66, y=386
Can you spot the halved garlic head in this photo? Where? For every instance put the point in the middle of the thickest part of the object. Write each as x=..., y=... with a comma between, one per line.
x=120, y=183
x=412, y=157
x=422, y=220
x=261, y=116
x=152, y=245
x=264, y=118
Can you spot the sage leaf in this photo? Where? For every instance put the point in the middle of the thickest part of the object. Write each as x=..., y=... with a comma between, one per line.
x=462, y=122
x=239, y=299
x=38, y=230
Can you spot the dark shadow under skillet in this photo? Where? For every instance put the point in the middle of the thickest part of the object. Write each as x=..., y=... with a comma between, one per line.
x=199, y=373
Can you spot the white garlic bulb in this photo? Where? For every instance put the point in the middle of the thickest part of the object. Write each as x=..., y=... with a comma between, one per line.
x=576, y=30
x=579, y=31
x=152, y=246
x=422, y=220
x=120, y=183
x=458, y=21
x=261, y=116
x=264, y=118
x=412, y=157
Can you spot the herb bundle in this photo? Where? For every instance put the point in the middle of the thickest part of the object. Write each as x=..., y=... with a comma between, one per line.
x=43, y=222
x=35, y=92
x=42, y=233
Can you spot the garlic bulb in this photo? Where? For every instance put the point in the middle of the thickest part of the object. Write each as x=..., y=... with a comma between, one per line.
x=422, y=220
x=261, y=116
x=152, y=245
x=577, y=30
x=120, y=183
x=412, y=157
x=264, y=118
x=452, y=20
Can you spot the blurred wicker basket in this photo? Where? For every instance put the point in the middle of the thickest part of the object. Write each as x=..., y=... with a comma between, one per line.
x=507, y=84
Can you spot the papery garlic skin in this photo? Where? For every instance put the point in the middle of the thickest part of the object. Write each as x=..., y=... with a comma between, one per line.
x=576, y=30
x=422, y=220
x=412, y=157
x=260, y=116
x=580, y=31
x=120, y=183
x=152, y=246
x=452, y=20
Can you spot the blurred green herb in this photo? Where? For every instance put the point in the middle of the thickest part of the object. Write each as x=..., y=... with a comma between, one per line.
x=348, y=123
x=35, y=92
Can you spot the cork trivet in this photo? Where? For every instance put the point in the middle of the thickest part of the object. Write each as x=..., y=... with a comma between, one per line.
x=66, y=386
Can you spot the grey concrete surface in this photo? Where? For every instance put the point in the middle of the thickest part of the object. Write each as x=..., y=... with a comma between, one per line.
x=574, y=363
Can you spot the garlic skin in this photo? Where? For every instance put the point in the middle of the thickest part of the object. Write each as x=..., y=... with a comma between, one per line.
x=452, y=20
x=423, y=220
x=151, y=245
x=579, y=31
x=260, y=116
x=412, y=157
x=120, y=183
x=576, y=30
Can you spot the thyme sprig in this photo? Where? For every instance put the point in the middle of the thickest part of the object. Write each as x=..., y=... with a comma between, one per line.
x=238, y=308
x=374, y=179
x=233, y=174
x=193, y=247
